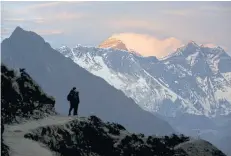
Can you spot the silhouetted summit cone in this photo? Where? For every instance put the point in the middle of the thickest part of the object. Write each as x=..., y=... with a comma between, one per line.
x=18, y=30
x=20, y=37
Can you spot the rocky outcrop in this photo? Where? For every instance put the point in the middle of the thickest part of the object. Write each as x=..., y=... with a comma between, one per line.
x=22, y=98
x=199, y=148
x=91, y=136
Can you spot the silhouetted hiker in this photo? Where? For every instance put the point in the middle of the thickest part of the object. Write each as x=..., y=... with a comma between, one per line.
x=73, y=97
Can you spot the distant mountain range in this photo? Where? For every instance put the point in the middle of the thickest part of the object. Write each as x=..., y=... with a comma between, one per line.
x=194, y=79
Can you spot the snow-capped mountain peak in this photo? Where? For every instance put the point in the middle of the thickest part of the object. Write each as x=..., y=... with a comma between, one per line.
x=66, y=51
x=192, y=43
x=116, y=43
x=113, y=43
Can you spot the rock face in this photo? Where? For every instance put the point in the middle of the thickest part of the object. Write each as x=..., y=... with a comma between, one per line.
x=50, y=134
x=57, y=75
x=21, y=97
x=198, y=148
x=91, y=136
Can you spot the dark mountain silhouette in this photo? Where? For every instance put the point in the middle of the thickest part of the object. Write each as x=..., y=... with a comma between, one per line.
x=57, y=75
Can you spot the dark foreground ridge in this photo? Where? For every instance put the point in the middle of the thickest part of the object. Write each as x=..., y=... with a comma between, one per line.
x=91, y=136
x=83, y=136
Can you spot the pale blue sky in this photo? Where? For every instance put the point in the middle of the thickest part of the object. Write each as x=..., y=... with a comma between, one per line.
x=89, y=23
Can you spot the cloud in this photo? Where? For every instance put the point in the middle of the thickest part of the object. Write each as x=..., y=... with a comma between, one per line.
x=52, y=4
x=35, y=20
x=48, y=31
x=44, y=5
x=15, y=19
x=40, y=12
x=148, y=45
x=179, y=12
x=128, y=23
x=67, y=16
x=203, y=10
x=4, y=31
x=61, y=16
x=210, y=45
x=216, y=8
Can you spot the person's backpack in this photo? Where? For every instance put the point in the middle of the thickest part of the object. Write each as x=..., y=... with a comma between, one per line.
x=69, y=97
x=73, y=95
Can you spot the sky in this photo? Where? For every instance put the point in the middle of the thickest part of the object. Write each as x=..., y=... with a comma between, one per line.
x=157, y=28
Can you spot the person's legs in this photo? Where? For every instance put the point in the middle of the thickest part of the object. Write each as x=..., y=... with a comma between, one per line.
x=75, y=111
x=77, y=108
x=70, y=109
